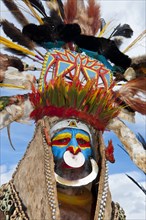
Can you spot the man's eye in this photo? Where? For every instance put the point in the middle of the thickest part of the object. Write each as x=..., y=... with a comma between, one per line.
x=81, y=141
x=63, y=141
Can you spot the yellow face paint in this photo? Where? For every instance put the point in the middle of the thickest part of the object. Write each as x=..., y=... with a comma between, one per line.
x=61, y=136
x=83, y=136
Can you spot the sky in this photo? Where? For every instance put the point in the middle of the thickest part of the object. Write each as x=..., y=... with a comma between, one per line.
x=123, y=190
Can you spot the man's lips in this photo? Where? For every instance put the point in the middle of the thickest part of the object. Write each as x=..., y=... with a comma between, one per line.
x=64, y=165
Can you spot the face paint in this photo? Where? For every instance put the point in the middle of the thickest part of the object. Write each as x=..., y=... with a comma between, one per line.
x=72, y=150
x=72, y=139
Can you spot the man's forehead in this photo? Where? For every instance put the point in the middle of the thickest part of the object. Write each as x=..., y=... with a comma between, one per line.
x=69, y=124
x=71, y=131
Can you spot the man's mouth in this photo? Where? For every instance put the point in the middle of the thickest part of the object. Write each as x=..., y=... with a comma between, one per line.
x=80, y=181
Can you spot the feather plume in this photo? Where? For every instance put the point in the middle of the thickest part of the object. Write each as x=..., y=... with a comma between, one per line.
x=10, y=44
x=109, y=152
x=102, y=23
x=37, y=4
x=11, y=86
x=57, y=7
x=134, y=181
x=139, y=65
x=9, y=137
x=122, y=30
x=13, y=78
x=138, y=39
x=70, y=10
x=15, y=34
x=88, y=18
x=6, y=61
x=10, y=4
x=14, y=108
x=27, y=2
x=93, y=12
x=133, y=94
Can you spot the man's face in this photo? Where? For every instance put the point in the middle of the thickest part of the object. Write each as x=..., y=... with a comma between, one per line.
x=71, y=148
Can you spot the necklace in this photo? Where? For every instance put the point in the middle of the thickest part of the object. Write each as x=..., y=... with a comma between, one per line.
x=11, y=204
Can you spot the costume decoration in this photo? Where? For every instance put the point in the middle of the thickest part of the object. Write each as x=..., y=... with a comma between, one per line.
x=73, y=101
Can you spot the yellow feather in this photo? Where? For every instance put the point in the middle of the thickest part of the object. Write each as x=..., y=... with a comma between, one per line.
x=11, y=86
x=12, y=45
x=104, y=29
x=140, y=37
x=33, y=11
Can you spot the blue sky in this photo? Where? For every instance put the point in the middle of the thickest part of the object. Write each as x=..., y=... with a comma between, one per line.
x=123, y=190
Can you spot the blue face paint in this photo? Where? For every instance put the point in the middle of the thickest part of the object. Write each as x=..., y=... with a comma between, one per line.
x=72, y=139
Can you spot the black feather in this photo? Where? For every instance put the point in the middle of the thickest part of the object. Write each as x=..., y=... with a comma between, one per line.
x=122, y=147
x=39, y=6
x=60, y=4
x=69, y=32
x=103, y=23
x=56, y=18
x=39, y=33
x=141, y=187
x=15, y=34
x=122, y=30
x=105, y=47
x=16, y=12
x=141, y=140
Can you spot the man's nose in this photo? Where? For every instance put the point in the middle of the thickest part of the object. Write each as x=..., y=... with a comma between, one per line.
x=74, y=150
x=73, y=146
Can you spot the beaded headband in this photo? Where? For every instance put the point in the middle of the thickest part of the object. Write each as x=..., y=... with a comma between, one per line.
x=69, y=123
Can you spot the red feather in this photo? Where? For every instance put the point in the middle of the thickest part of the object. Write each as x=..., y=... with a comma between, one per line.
x=109, y=152
x=133, y=94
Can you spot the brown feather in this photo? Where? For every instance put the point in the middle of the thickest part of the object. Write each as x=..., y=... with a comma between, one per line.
x=15, y=34
x=93, y=12
x=139, y=65
x=70, y=10
x=16, y=12
x=87, y=17
x=56, y=6
x=134, y=94
x=6, y=61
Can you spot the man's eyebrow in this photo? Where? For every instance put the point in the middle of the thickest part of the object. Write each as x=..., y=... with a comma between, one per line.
x=83, y=136
x=62, y=135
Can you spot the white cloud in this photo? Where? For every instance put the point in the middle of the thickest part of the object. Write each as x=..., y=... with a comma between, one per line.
x=128, y=195
x=6, y=173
